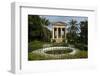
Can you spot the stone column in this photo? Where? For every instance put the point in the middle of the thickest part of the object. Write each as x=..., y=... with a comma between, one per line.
x=65, y=35
x=53, y=33
x=65, y=32
x=61, y=32
x=57, y=33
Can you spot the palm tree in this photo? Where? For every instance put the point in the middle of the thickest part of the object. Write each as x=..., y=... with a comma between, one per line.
x=44, y=22
x=37, y=28
x=73, y=26
x=72, y=31
x=45, y=31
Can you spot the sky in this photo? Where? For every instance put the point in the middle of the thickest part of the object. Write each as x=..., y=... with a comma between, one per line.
x=65, y=19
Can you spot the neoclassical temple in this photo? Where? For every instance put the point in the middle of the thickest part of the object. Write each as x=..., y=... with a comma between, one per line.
x=59, y=32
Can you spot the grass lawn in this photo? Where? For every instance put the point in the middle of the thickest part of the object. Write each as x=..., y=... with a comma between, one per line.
x=79, y=55
x=34, y=45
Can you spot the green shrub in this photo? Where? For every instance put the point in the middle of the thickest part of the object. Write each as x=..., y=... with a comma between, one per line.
x=34, y=45
x=53, y=40
x=81, y=46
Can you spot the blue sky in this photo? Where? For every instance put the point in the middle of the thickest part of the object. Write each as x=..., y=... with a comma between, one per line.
x=65, y=19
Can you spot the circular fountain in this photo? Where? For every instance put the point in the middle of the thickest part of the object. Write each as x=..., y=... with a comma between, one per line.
x=56, y=52
x=59, y=50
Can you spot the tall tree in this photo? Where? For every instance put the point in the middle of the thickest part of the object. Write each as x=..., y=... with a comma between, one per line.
x=46, y=34
x=37, y=28
x=84, y=32
x=72, y=31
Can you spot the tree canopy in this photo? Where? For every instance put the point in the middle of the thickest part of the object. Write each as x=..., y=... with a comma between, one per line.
x=37, y=29
x=77, y=32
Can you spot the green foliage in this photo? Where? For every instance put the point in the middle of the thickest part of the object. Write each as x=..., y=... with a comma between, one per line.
x=79, y=39
x=73, y=26
x=72, y=31
x=84, y=32
x=81, y=46
x=64, y=40
x=53, y=40
x=46, y=35
x=37, y=29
